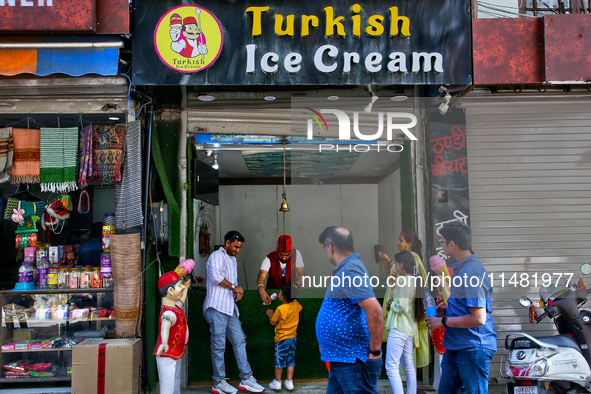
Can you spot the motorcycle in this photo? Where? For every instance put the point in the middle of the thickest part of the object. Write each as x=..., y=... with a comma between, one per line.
x=553, y=364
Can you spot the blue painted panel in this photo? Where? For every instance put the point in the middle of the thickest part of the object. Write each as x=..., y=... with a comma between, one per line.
x=103, y=61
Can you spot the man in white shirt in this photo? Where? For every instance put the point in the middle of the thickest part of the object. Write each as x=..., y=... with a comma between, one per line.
x=280, y=265
x=221, y=312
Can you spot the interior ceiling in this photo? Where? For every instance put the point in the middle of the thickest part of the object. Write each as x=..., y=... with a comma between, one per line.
x=246, y=133
x=303, y=163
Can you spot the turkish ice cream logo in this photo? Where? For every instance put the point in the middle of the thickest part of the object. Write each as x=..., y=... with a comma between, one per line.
x=188, y=38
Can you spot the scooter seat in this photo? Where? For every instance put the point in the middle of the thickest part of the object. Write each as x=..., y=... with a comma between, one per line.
x=558, y=340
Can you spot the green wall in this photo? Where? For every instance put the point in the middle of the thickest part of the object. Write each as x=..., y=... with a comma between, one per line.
x=407, y=188
x=259, y=339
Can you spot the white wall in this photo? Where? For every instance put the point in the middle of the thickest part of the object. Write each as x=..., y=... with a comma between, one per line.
x=254, y=211
x=390, y=213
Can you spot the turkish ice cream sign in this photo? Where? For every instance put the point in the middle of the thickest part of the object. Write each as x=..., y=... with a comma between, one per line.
x=282, y=42
x=188, y=39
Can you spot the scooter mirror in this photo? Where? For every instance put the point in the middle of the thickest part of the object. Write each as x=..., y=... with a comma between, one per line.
x=586, y=268
x=525, y=302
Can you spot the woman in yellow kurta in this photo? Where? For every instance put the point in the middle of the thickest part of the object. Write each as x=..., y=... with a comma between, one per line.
x=409, y=242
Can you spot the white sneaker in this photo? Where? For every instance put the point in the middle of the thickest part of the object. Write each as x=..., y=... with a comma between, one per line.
x=275, y=385
x=224, y=387
x=251, y=385
x=288, y=384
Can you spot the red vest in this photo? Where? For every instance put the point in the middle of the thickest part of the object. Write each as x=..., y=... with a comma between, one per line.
x=177, y=337
x=275, y=279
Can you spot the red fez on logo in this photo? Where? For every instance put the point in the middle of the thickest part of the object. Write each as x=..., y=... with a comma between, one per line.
x=189, y=19
x=284, y=244
x=168, y=278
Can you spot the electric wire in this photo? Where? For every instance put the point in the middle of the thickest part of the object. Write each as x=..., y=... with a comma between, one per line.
x=485, y=5
x=129, y=97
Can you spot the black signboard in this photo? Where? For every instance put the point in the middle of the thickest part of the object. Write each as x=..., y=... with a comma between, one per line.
x=450, y=193
x=284, y=42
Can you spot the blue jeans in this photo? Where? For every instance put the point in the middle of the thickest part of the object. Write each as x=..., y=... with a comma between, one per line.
x=285, y=352
x=354, y=378
x=467, y=368
x=222, y=326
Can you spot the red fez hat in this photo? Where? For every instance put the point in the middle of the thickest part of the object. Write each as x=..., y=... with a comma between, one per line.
x=168, y=278
x=189, y=19
x=175, y=19
x=284, y=244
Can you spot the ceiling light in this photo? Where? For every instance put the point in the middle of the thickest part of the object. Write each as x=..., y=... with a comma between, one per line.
x=205, y=97
x=368, y=107
x=443, y=107
x=215, y=165
x=113, y=118
x=332, y=98
x=399, y=98
x=270, y=98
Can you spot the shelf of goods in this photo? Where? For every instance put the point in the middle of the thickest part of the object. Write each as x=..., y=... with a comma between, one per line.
x=40, y=327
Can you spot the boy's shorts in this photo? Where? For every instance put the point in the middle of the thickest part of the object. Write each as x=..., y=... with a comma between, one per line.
x=285, y=353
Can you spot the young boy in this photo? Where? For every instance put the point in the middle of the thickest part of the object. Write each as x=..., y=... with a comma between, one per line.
x=174, y=332
x=285, y=319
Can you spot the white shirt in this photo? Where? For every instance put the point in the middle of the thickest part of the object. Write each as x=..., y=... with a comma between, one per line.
x=220, y=266
x=266, y=265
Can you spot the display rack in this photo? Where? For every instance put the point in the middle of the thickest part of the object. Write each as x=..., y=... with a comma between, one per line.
x=40, y=329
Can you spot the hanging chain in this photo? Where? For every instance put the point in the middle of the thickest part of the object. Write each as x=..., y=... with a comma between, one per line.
x=284, y=169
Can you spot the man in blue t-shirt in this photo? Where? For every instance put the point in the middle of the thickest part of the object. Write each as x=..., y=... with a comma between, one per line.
x=470, y=336
x=349, y=324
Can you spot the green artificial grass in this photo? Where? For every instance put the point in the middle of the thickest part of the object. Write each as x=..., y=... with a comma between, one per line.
x=165, y=152
x=407, y=188
x=191, y=153
x=259, y=339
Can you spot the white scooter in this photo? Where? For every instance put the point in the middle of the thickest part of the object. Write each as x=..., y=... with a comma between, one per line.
x=555, y=364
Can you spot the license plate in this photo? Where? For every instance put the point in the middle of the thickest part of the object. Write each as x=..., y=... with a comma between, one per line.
x=525, y=390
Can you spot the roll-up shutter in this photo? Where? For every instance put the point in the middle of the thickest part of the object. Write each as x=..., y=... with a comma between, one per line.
x=529, y=158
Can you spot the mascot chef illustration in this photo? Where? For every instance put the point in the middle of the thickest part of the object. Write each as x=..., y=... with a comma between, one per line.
x=174, y=332
x=188, y=39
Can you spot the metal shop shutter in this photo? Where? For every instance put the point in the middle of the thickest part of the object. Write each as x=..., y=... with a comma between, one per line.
x=529, y=158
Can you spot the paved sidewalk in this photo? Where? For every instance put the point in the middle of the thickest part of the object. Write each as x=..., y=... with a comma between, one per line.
x=318, y=387
x=302, y=388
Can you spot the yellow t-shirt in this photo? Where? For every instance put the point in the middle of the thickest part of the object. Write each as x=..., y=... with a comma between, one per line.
x=287, y=317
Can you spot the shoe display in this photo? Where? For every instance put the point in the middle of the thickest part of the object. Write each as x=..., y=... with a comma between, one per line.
x=251, y=385
x=224, y=387
x=275, y=385
x=288, y=384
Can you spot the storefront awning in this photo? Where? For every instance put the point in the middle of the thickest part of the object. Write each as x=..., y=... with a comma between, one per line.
x=71, y=55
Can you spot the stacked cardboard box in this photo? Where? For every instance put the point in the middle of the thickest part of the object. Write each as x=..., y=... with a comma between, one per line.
x=122, y=364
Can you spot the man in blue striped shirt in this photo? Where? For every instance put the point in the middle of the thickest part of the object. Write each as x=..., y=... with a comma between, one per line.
x=221, y=313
